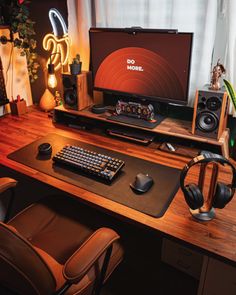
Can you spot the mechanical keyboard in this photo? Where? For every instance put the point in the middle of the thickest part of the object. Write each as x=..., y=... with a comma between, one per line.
x=91, y=163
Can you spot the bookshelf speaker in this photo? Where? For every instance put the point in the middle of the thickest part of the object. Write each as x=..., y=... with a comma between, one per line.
x=77, y=93
x=210, y=113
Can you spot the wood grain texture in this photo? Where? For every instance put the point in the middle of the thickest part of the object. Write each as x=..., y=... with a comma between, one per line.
x=223, y=115
x=217, y=237
x=84, y=99
x=169, y=126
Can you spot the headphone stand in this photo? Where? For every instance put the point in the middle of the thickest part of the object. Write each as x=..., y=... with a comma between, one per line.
x=203, y=216
x=206, y=212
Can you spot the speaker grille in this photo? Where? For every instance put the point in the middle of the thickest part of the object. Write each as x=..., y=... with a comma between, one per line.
x=207, y=121
x=70, y=93
x=70, y=97
x=210, y=113
x=69, y=81
x=213, y=103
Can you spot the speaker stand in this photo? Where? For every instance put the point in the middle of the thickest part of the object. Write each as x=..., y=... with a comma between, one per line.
x=203, y=216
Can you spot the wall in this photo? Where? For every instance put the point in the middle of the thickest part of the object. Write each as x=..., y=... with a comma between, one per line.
x=15, y=66
x=39, y=14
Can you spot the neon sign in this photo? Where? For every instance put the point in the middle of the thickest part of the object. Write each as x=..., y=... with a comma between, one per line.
x=55, y=43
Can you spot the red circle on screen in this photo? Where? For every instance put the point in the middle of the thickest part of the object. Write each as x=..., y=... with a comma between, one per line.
x=139, y=71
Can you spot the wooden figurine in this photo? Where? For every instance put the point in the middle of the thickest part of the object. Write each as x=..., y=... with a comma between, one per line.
x=217, y=72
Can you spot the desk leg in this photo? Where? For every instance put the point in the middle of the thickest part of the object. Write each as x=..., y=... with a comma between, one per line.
x=203, y=275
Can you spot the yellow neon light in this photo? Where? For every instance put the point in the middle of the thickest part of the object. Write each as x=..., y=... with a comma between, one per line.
x=57, y=45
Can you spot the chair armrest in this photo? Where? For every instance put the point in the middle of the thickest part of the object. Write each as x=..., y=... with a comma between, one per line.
x=90, y=251
x=6, y=183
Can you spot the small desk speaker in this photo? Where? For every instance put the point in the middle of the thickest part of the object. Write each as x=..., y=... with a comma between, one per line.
x=210, y=113
x=77, y=91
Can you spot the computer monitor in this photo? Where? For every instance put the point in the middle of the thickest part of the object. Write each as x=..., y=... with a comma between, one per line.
x=141, y=63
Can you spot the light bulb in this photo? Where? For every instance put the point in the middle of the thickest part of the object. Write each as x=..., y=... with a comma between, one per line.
x=52, y=81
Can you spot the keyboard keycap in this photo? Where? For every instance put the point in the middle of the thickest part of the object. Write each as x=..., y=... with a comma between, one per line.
x=89, y=162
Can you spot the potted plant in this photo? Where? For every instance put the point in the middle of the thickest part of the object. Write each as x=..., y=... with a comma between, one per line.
x=15, y=15
x=76, y=65
x=232, y=95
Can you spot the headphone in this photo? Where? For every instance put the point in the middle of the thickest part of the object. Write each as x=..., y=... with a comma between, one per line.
x=223, y=193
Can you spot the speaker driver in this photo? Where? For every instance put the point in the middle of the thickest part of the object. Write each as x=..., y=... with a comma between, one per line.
x=67, y=82
x=207, y=122
x=70, y=97
x=213, y=103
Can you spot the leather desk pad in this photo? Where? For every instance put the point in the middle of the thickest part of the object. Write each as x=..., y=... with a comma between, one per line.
x=154, y=202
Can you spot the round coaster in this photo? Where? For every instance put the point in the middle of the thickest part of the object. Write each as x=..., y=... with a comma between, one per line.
x=45, y=148
x=98, y=109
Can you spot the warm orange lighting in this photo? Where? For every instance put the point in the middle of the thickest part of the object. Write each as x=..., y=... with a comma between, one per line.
x=55, y=44
x=52, y=81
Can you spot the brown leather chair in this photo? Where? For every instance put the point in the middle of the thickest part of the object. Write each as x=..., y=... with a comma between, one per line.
x=49, y=248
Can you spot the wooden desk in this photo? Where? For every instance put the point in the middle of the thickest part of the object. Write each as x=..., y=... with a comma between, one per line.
x=216, y=238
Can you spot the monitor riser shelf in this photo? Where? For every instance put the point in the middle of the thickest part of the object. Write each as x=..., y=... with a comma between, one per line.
x=169, y=126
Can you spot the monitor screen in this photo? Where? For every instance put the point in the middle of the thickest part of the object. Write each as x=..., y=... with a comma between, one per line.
x=142, y=63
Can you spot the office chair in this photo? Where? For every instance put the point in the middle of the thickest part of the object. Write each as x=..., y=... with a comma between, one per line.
x=51, y=248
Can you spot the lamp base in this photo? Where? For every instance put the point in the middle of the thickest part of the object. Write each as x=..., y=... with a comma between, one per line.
x=47, y=101
x=203, y=216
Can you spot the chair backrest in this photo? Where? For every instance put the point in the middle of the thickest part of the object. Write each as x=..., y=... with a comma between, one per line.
x=21, y=267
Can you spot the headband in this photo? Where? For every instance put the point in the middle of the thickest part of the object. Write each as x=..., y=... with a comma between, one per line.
x=207, y=157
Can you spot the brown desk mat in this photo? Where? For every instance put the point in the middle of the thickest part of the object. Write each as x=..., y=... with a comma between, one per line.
x=155, y=202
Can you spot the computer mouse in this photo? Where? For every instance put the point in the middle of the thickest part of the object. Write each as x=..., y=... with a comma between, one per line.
x=142, y=183
x=45, y=148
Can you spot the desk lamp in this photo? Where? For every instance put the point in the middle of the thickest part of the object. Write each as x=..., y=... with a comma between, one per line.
x=47, y=101
x=52, y=80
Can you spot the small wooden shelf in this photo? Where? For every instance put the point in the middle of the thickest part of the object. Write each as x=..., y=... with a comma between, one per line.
x=3, y=27
x=169, y=126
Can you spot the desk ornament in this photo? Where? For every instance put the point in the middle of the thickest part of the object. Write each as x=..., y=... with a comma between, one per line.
x=217, y=72
x=18, y=106
x=135, y=110
x=76, y=65
x=219, y=194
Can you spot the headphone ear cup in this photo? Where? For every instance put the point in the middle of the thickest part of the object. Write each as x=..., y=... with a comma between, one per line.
x=193, y=196
x=223, y=195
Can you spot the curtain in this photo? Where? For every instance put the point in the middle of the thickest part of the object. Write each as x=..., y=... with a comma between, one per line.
x=197, y=16
x=79, y=22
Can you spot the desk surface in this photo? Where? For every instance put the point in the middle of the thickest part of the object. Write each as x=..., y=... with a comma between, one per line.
x=217, y=237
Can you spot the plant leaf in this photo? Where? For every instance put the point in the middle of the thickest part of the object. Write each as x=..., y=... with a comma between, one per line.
x=231, y=92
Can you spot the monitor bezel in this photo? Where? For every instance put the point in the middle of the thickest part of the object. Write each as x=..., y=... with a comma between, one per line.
x=135, y=96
